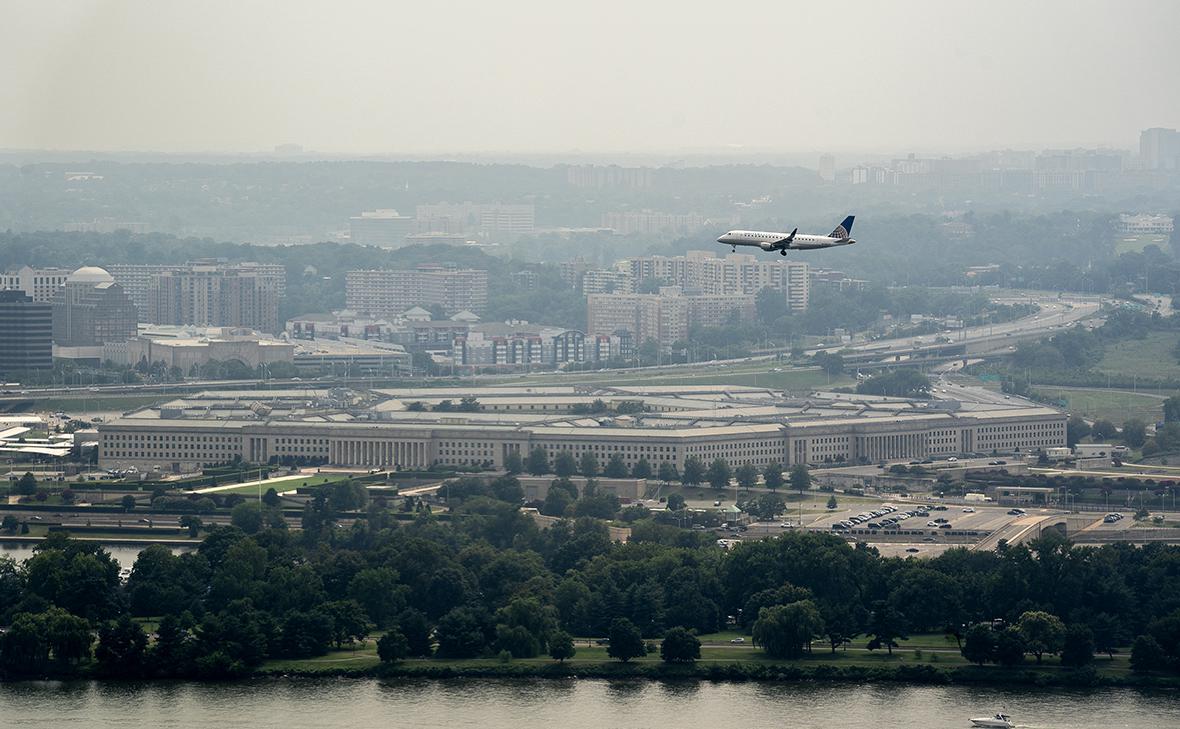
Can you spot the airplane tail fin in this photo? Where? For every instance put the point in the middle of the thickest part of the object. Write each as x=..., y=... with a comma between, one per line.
x=843, y=230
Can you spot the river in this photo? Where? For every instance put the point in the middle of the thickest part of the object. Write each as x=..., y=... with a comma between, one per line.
x=124, y=554
x=564, y=704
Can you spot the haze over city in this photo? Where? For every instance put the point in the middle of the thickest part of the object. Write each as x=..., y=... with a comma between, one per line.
x=538, y=77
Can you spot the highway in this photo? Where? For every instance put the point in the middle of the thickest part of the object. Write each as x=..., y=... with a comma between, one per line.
x=1057, y=311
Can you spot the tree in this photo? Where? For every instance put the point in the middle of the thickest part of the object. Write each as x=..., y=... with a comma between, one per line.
x=562, y=493
x=412, y=624
x=1147, y=655
x=1134, y=433
x=800, y=478
x=564, y=464
x=886, y=626
x=718, y=474
x=679, y=646
x=786, y=631
x=561, y=646
x=599, y=506
x=271, y=498
x=897, y=383
x=1077, y=648
x=833, y=364
x=615, y=467
x=641, y=469
x=832, y=504
x=462, y=633
x=694, y=471
x=1172, y=409
x=675, y=502
x=1010, y=647
x=626, y=642
x=393, y=647
x=9, y=524
x=247, y=516
x=1076, y=429
x=538, y=463
x=128, y=502
x=122, y=645
x=588, y=464
x=1108, y=633
x=773, y=476
x=746, y=475
x=192, y=523
x=667, y=472
x=513, y=463
x=26, y=485
x=1104, y=430
x=1042, y=632
x=979, y=645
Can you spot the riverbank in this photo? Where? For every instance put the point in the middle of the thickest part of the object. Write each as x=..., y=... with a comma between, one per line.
x=874, y=669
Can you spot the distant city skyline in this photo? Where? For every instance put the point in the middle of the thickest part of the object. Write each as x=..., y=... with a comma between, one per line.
x=464, y=78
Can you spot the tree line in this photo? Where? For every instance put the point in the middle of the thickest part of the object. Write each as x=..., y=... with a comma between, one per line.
x=489, y=582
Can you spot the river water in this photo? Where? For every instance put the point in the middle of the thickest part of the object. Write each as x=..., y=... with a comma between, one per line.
x=564, y=704
x=124, y=554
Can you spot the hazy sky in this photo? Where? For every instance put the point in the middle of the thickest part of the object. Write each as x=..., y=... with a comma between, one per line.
x=346, y=76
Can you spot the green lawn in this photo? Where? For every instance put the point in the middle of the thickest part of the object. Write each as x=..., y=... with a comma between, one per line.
x=1150, y=357
x=933, y=650
x=84, y=405
x=288, y=485
x=1114, y=405
x=1136, y=243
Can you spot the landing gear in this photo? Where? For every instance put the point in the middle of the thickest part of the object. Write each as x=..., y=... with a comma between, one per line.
x=733, y=249
x=782, y=252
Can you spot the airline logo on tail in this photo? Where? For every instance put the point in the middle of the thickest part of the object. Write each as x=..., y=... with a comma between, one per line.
x=843, y=231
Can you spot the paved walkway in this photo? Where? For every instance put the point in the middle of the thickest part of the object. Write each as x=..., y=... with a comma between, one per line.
x=268, y=482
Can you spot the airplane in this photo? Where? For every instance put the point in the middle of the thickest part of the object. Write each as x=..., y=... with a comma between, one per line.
x=769, y=241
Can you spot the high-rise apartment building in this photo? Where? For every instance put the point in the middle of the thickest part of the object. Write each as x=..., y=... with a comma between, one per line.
x=137, y=279
x=91, y=309
x=26, y=333
x=702, y=272
x=827, y=168
x=1159, y=149
x=214, y=295
x=649, y=222
x=41, y=284
x=496, y=220
x=391, y=292
x=662, y=317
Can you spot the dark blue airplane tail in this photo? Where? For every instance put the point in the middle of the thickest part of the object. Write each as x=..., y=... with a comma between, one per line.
x=843, y=230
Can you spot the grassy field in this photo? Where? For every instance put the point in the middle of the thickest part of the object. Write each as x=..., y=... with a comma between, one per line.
x=86, y=405
x=1114, y=405
x=289, y=484
x=1150, y=357
x=919, y=650
x=1136, y=243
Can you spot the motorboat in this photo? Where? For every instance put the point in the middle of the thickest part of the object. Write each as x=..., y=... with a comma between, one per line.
x=999, y=721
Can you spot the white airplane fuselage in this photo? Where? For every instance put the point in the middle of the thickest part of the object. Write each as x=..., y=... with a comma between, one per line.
x=770, y=241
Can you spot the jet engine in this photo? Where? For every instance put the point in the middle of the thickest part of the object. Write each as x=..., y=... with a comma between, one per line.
x=766, y=245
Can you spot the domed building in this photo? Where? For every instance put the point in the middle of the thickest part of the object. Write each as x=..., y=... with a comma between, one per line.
x=91, y=309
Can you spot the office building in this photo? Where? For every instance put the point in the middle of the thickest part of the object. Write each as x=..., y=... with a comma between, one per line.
x=384, y=228
x=755, y=426
x=26, y=334
x=390, y=292
x=609, y=177
x=1145, y=224
x=41, y=284
x=91, y=309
